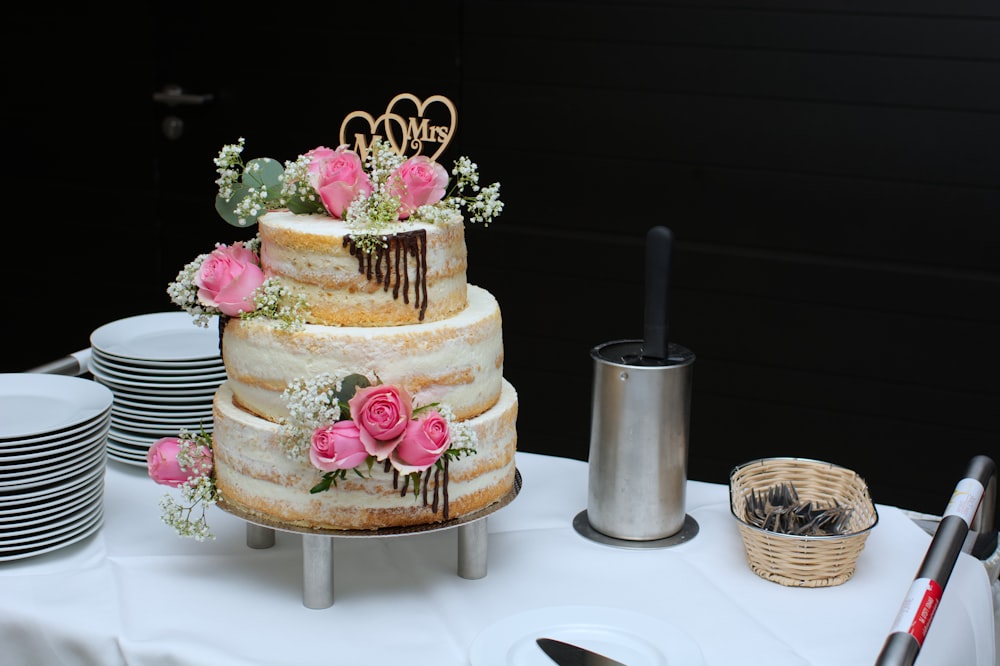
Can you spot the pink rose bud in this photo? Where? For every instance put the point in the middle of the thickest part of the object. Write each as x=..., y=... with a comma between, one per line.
x=337, y=446
x=228, y=278
x=381, y=414
x=163, y=467
x=418, y=182
x=338, y=176
x=423, y=443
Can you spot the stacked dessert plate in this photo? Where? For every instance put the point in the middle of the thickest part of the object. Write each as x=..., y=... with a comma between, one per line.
x=53, y=434
x=163, y=370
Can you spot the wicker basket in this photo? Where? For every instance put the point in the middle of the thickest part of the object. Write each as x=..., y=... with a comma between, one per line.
x=803, y=561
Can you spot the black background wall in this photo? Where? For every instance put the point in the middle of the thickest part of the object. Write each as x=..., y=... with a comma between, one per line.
x=830, y=170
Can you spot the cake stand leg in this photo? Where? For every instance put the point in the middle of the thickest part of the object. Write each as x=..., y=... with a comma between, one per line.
x=259, y=536
x=472, y=539
x=317, y=571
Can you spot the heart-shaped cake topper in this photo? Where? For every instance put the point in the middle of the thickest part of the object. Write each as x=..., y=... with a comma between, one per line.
x=406, y=125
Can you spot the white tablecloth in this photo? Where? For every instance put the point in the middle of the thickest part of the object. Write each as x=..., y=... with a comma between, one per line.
x=137, y=594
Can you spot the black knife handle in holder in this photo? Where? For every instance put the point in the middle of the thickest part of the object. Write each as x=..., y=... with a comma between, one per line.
x=972, y=506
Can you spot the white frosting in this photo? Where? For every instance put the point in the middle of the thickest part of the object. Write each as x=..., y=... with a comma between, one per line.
x=251, y=466
x=456, y=361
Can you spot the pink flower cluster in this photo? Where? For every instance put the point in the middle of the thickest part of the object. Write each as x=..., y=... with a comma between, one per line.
x=338, y=177
x=228, y=278
x=382, y=425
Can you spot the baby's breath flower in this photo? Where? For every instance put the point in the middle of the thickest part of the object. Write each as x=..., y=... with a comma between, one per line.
x=183, y=292
x=275, y=301
x=189, y=519
x=311, y=402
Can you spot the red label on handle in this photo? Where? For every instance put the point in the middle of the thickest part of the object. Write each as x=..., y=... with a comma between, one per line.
x=918, y=609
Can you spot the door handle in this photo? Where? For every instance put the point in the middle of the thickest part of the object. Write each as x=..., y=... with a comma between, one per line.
x=174, y=95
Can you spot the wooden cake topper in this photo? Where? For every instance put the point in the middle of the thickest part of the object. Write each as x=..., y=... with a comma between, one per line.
x=406, y=125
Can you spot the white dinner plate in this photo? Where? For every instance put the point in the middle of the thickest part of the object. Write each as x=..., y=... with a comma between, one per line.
x=16, y=497
x=66, y=469
x=37, y=445
x=58, y=523
x=148, y=365
x=160, y=336
x=128, y=456
x=152, y=405
x=160, y=429
x=131, y=379
x=33, y=404
x=631, y=638
x=153, y=386
x=49, y=544
x=55, y=454
x=153, y=416
x=40, y=511
x=212, y=369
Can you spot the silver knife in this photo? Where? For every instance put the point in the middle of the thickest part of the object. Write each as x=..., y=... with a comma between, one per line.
x=567, y=654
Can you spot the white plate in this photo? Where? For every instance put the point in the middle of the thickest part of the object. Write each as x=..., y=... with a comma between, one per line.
x=146, y=385
x=631, y=638
x=188, y=380
x=204, y=365
x=153, y=415
x=32, y=530
x=36, y=445
x=33, y=404
x=128, y=458
x=67, y=469
x=83, y=531
x=213, y=369
x=26, y=515
x=10, y=498
x=51, y=456
x=161, y=336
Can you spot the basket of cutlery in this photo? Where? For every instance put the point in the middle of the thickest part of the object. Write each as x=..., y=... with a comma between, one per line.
x=803, y=522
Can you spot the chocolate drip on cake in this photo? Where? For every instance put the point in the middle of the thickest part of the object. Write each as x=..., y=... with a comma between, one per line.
x=440, y=486
x=390, y=265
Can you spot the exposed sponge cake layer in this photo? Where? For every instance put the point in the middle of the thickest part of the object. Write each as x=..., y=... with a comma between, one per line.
x=254, y=476
x=457, y=361
x=420, y=276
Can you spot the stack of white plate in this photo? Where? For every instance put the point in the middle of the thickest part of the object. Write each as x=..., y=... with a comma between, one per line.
x=53, y=432
x=163, y=370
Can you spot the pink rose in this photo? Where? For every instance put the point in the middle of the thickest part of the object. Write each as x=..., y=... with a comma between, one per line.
x=163, y=467
x=228, y=278
x=381, y=414
x=337, y=447
x=338, y=177
x=423, y=443
x=418, y=182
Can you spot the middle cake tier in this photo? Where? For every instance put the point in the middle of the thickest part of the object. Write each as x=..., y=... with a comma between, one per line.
x=457, y=361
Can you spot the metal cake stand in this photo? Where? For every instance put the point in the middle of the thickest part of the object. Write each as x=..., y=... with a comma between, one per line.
x=317, y=544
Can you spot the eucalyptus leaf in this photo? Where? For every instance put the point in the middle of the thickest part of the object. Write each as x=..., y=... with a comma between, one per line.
x=226, y=208
x=301, y=206
x=350, y=384
x=263, y=172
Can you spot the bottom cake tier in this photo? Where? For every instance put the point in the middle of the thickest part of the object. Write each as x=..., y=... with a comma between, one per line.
x=256, y=478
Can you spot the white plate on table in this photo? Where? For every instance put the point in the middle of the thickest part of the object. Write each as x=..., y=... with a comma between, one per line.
x=160, y=336
x=632, y=638
x=33, y=404
x=139, y=372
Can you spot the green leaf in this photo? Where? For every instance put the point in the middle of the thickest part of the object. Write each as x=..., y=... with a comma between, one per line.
x=300, y=206
x=225, y=208
x=350, y=384
x=263, y=172
x=323, y=485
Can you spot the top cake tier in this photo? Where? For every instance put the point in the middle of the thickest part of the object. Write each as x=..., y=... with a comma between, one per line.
x=420, y=276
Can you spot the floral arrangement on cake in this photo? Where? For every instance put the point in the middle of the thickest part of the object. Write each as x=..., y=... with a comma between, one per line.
x=374, y=197
x=371, y=196
x=343, y=425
